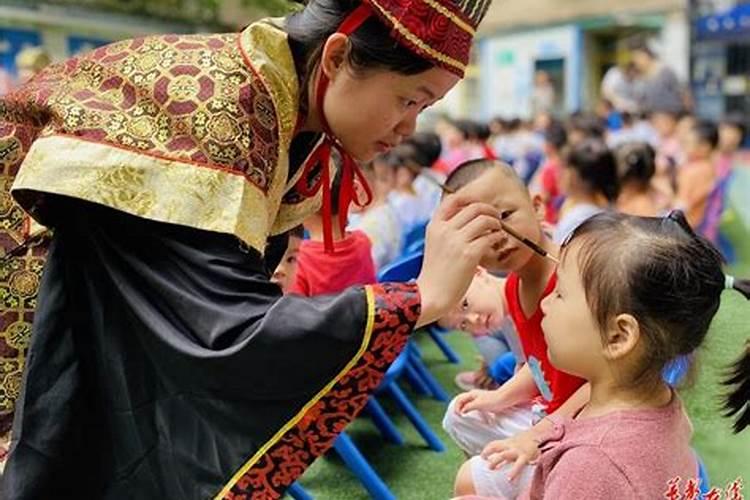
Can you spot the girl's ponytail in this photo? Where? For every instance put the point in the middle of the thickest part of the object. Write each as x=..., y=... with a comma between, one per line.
x=742, y=286
x=737, y=402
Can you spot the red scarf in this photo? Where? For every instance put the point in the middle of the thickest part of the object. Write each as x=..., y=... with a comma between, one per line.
x=322, y=154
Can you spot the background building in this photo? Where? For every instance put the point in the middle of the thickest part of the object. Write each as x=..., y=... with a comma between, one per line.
x=720, y=58
x=66, y=27
x=575, y=42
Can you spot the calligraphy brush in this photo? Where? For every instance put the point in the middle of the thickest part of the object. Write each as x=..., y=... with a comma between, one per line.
x=536, y=248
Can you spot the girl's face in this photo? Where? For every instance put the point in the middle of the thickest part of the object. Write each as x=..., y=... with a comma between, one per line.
x=286, y=272
x=404, y=178
x=385, y=178
x=574, y=341
x=730, y=138
x=696, y=149
x=372, y=111
x=665, y=124
x=482, y=310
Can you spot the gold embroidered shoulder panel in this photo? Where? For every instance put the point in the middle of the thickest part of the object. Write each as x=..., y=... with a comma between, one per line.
x=187, y=129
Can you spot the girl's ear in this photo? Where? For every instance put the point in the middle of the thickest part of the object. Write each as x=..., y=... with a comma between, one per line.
x=333, y=58
x=539, y=208
x=622, y=337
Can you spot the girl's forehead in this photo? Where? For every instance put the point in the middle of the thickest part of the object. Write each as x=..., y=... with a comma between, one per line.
x=568, y=259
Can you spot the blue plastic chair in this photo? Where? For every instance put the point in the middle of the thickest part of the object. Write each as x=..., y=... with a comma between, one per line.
x=353, y=458
x=416, y=247
x=383, y=422
x=673, y=374
x=361, y=468
x=533, y=162
x=436, y=334
x=403, y=269
x=676, y=370
x=705, y=484
x=298, y=492
x=414, y=234
x=428, y=379
x=406, y=269
x=389, y=386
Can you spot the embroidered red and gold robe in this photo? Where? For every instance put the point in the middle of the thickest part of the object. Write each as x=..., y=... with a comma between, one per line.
x=162, y=362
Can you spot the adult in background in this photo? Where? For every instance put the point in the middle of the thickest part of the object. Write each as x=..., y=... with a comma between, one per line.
x=661, y=88
x=622, y=87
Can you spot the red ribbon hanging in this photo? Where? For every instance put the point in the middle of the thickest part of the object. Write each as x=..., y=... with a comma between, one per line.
x=322, y=154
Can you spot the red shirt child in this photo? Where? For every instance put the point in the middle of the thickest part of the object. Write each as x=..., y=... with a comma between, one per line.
x=555, y=387
x=320, y=273
x=550, y=187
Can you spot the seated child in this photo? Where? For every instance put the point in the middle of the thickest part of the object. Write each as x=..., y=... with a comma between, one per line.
x=513, y=413
x=632, y=294
x=482, y=314
x=426, y=153
x=379, y=220
x=403, y=198
x=668, y=145
x=555, y=139
x=589, y=183
x=286, y=272
x=636, y=165
x=732, y=132
x=696, y=178
x=350, y=263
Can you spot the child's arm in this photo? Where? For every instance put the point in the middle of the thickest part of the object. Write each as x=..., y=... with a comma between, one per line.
x=523, y=448
x=519, y=388
x=569, y=408
x=694, y=188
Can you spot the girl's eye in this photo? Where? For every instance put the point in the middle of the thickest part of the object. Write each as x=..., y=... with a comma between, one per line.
x=505, y=214
x=408, y=103
x=291, y=260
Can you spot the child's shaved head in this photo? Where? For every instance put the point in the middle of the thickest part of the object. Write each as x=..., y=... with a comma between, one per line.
x=497, y=184
x=472, y=170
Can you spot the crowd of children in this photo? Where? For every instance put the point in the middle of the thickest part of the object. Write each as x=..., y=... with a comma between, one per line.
x=573, y=349
x=643, y=165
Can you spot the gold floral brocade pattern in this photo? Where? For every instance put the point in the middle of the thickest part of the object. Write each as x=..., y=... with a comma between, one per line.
x=191, y=129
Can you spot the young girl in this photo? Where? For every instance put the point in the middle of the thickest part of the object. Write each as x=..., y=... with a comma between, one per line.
x=632, y=294
x=636, y=166
x=589, y=183
x=697, y=178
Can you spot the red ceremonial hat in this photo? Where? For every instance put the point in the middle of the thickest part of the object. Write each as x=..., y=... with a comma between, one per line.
x=438, y=30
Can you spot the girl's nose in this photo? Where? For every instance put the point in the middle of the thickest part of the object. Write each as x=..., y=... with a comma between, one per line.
x=474, y=319
x=408, y=125
x=545, y=302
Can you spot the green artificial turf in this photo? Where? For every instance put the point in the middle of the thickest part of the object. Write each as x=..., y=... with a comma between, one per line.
x=415, y=472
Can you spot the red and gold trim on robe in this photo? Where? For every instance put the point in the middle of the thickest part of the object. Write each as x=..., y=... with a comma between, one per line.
x=393, y=310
